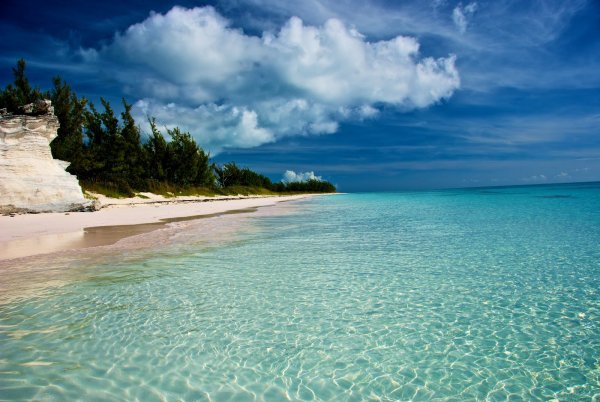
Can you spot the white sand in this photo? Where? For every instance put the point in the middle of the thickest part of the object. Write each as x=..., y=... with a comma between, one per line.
x=32, y=234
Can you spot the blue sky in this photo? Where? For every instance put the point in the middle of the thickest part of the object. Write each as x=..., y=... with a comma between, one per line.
x=371, y=95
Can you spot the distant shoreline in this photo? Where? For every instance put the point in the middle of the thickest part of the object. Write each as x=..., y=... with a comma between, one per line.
x=34, y=234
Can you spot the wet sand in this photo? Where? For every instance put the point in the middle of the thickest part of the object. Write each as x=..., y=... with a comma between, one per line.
x=33, y=234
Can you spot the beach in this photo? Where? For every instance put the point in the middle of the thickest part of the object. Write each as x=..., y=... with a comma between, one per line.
x=33, y=234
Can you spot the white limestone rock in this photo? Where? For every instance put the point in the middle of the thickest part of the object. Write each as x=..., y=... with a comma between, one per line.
x=30, y=179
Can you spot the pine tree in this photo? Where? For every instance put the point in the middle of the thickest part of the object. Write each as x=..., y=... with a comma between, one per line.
x=133, y=151
x=21, y=93
x=157, y=154
x=70, y=111
x=113, y=149
x=184, y=156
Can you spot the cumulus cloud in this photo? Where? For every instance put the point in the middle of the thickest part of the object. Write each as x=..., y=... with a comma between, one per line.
x=191, y=68
x=461, y=14
x=291, y=177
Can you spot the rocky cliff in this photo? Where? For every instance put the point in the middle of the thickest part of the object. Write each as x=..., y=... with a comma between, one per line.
x=30, y=179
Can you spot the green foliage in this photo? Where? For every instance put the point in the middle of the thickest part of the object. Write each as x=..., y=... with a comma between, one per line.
x=115, y=153
x=20, y=92
x=108, y=156
x=113, y=189
x=157, y=153
x=184, y=159
x=231, y=175
x=310, y=186
x=246, y=190
x=196, y=191
x=69, y=145
x=99, y=144
x=135, y=158
x=180, y=161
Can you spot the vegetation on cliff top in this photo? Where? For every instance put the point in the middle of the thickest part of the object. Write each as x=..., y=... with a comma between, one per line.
x=108, y=155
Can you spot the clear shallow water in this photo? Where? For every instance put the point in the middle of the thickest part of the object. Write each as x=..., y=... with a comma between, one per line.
x=446, y=295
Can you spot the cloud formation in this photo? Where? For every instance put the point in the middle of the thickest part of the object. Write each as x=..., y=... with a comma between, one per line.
x=535, y=178
x=193, y=69
x=511, y=44
x=292, y=177
x=461, y=14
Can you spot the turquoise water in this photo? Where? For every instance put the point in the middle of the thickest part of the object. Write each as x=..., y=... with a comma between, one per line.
x=445, y=295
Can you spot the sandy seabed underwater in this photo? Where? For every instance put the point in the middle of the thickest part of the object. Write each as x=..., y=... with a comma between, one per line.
x=442, y=295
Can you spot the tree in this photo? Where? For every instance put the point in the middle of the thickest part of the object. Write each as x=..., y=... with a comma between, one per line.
x=71, y=113
x=113, y=148
x=107, y=149
x=180, y=161
x=311, y=186
x=157, y=154
x=105, y=144
x=21, y=93
x=113, y=156
x=205, y=176
x=132, y=148
x=227, y=175
x=183, y=157
x=231, y=175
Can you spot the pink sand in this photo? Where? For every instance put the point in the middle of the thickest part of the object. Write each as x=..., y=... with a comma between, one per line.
x=32, y=234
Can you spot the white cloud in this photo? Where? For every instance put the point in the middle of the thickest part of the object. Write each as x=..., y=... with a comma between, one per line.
x=291, y=177
x=461, y=14
x=187, y=46
x=335, y=64
x=216, y=127
x=508, y=46
x=213, y=126
x=368, y=111
x=535, y=178
x=437, y=3
x=191, y=68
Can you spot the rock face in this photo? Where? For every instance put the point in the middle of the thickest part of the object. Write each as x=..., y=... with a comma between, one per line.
x=30, y=179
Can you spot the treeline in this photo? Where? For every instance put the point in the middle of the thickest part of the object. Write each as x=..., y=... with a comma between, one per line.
x=107, y=153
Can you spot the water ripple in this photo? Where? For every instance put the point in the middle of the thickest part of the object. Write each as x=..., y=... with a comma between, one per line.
x=367, y=297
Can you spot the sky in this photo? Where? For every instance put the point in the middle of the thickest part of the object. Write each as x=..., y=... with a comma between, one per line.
x=370, y=95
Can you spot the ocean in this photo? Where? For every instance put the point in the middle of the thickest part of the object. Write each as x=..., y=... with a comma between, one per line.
x=449, y=295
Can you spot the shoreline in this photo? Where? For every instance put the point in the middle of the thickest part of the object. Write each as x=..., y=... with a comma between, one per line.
x=29, y=235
